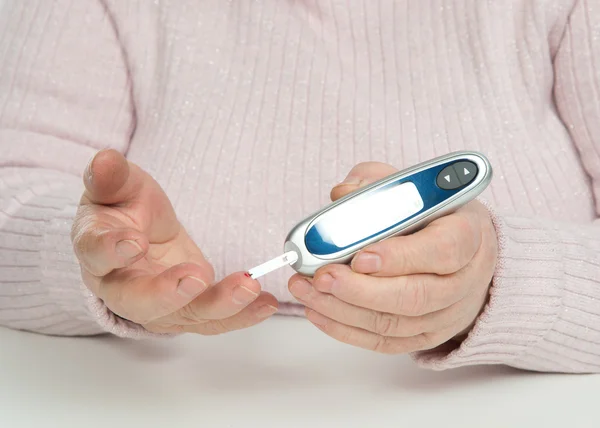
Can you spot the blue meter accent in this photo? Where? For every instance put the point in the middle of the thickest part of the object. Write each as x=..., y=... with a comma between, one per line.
x=368, y=217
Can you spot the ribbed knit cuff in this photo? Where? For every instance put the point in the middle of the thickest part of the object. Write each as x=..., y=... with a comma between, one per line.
x=41, y=288
x=541, y=304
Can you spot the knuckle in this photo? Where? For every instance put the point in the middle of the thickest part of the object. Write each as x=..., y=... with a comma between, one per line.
x=345, y=334
x=87, y=238
x=448, y=253
x=385, y=324
x=397, y=255
x=385, y=345
x=359, y=169
x=415, y=301
x=78, y=238
x=214, y=328
x=463, y=226
x=163, y=307
x=81, y=246
x=189, y=315
x=399, y=300
x=321, y=301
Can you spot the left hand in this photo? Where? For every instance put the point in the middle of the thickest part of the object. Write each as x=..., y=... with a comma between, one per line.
x=406, y=293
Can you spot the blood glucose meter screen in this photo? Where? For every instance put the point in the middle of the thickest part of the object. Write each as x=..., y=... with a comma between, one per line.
x=370, y=213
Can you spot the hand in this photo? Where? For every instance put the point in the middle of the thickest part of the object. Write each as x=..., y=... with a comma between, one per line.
x=137, y=258
x=406, y=293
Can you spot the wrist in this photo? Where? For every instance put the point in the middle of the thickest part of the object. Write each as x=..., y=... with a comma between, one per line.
x=464, y=333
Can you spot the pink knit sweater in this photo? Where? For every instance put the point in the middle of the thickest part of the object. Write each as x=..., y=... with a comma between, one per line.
x=247, y=113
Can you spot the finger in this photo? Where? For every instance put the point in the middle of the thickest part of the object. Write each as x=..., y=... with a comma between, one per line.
x=112, y=180
x=223, y=300
x=375, y=342
x=141, y=297
x=109, y=179
x=411, y=295
x=100, y=249
x=445, y=246
x=382, y=323
x=360, y=176
x=258, y=311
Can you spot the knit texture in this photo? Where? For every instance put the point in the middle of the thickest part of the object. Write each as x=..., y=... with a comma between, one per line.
x=247, y=113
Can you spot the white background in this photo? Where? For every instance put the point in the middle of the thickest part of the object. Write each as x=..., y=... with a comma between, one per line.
x=284, y=373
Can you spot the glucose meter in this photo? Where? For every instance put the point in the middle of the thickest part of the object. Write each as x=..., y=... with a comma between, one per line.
x=398, y=204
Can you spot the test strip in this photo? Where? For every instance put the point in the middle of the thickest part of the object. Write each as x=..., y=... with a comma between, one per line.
x=286, y=259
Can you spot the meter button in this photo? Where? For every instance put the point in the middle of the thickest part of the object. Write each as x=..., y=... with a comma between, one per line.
x=447, y=179
x=466, y=172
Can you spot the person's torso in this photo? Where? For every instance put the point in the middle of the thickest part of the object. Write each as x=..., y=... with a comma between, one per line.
x=249, y=112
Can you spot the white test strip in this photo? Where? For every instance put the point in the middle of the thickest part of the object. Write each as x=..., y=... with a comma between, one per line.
x=286, y=259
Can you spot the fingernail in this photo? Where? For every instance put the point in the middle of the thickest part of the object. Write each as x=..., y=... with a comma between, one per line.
x=190, y=286
x=266, y=311
x=128, y=249
x=243, y=295
x=87, y=172
x=316, y=318
x=366, y=263
x=350, y=181
x=325, y=283
x=301, y=288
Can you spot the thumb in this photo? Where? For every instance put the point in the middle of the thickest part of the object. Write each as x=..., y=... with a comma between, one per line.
x=112, y=180
x=360, y=176
x=109, y=178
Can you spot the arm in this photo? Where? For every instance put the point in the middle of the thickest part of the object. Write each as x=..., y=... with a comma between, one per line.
x=422, y=292
x=544, y=308
x=64, y=93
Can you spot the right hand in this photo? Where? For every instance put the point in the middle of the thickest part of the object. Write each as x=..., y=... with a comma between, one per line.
x=137, y=257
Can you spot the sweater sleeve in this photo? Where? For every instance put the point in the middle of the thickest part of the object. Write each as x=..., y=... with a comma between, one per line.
x=544, y=307
x=64, y=94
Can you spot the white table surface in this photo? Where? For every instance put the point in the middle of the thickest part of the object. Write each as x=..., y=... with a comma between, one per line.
x=282, y=373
